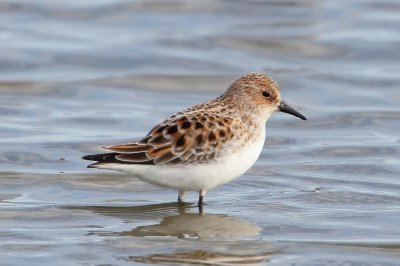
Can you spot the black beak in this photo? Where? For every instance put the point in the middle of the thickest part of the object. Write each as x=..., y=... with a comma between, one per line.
x=283, y=107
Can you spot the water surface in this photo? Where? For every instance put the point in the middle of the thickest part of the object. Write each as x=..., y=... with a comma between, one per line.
x=77, y=75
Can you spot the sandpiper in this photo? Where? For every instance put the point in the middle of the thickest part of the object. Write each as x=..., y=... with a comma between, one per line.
x=206, y=145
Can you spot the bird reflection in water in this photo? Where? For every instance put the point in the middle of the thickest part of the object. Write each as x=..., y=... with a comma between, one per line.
x=176, y=220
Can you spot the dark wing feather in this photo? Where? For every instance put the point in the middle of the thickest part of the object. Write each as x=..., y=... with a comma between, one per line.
x=114, y=158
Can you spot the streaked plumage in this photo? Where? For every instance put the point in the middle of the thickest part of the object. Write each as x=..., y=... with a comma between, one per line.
x=203, y=146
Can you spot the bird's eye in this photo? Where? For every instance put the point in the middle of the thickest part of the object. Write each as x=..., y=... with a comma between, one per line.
x=266, y=94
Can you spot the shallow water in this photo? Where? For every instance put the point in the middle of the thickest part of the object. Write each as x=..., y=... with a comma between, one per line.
x=75, y=76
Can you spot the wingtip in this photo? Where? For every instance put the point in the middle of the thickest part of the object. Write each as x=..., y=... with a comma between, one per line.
x=87, y=157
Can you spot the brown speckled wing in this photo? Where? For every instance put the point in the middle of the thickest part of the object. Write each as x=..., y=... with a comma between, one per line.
x=189, y=139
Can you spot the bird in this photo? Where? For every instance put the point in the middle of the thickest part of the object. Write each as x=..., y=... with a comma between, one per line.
x=204, y=146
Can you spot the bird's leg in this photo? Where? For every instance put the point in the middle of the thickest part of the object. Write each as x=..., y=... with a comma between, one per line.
x=180, y=196
x=202, y=193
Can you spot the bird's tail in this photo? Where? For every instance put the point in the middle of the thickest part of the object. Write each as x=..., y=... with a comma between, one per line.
x=101, y=159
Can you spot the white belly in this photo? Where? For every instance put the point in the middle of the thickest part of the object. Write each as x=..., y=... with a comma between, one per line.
x=196, y=177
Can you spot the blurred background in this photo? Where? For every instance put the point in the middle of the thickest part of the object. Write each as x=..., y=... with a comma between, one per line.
x=75, y=75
